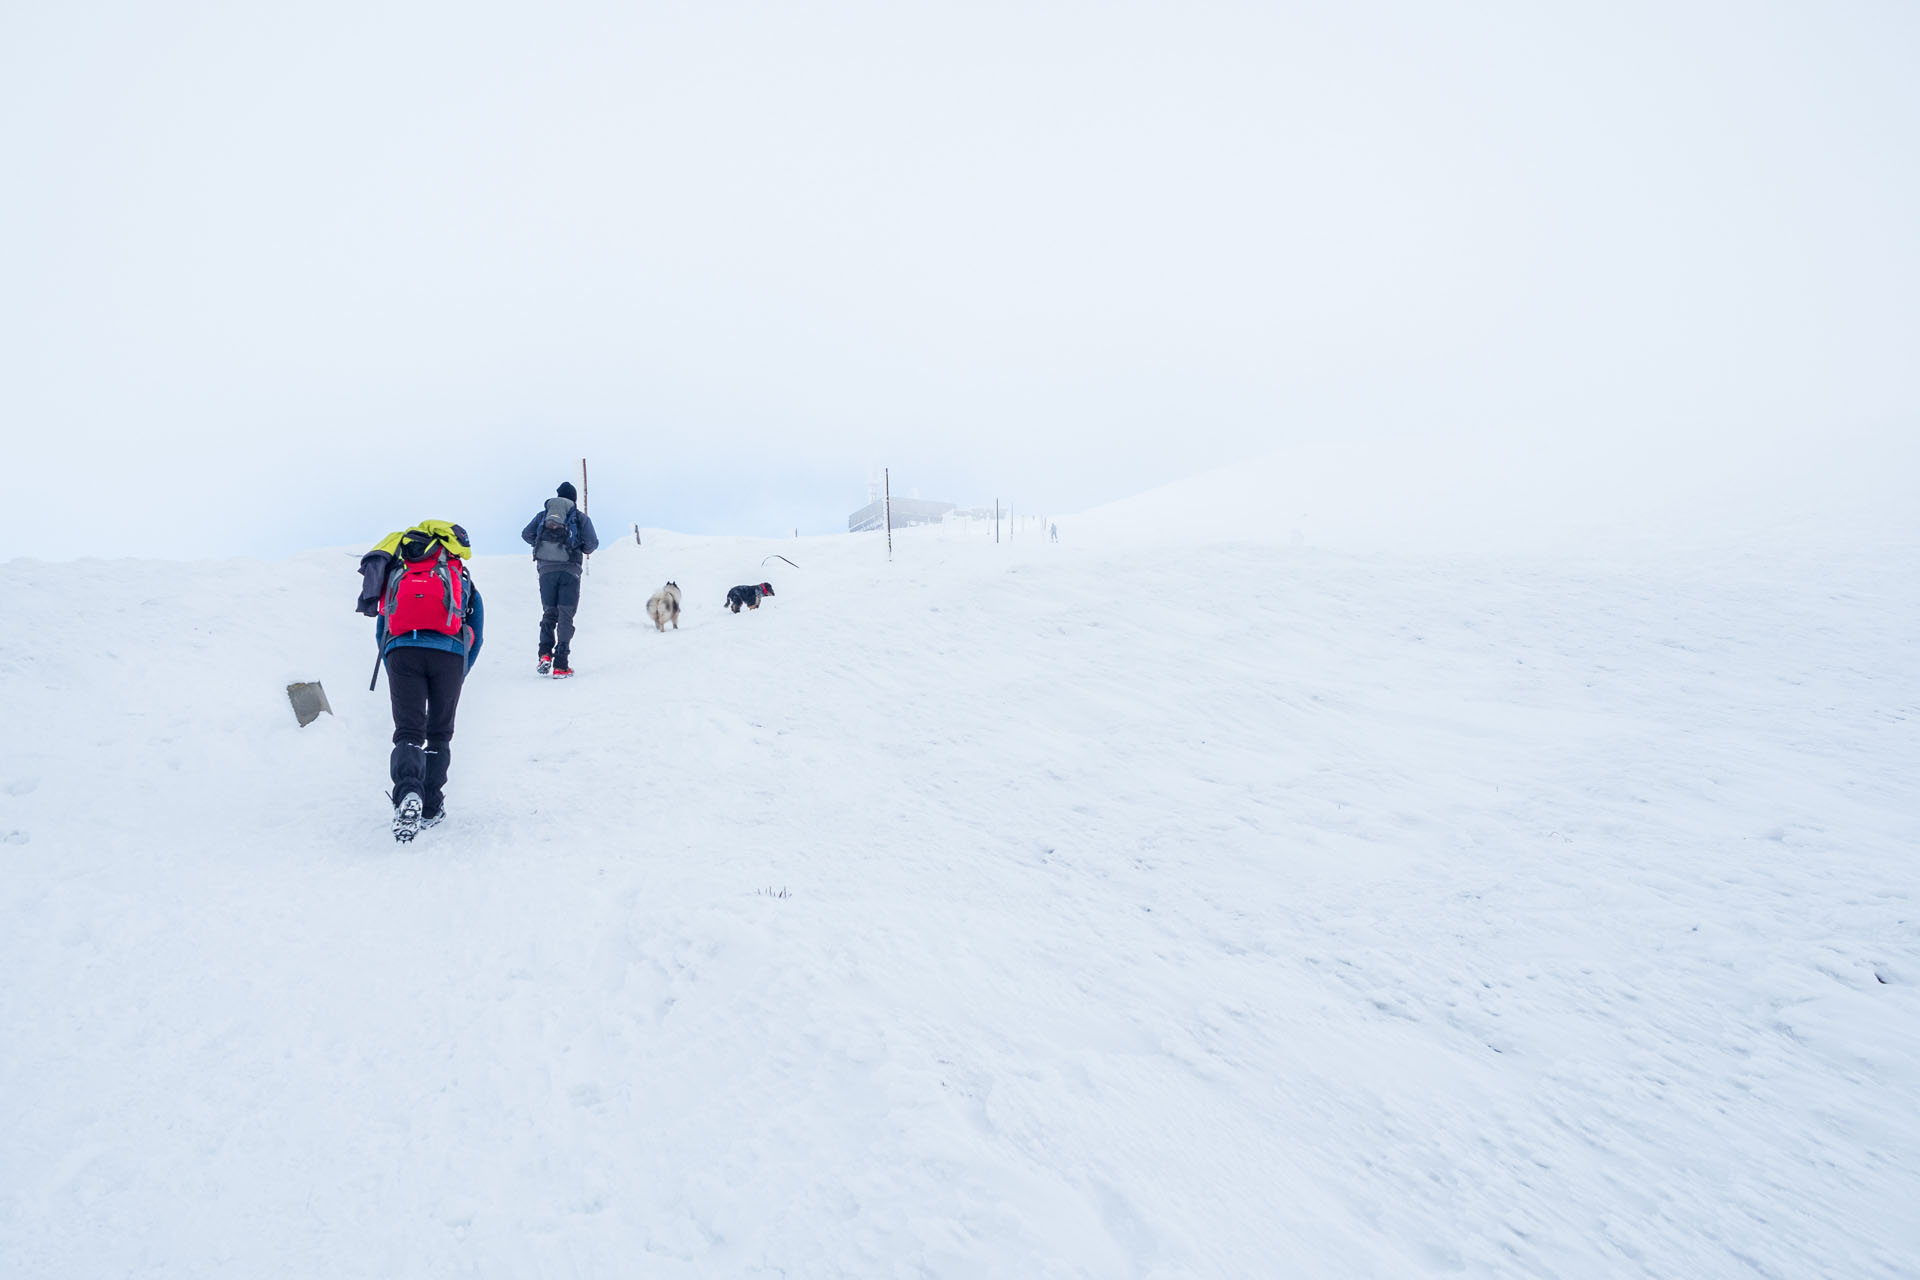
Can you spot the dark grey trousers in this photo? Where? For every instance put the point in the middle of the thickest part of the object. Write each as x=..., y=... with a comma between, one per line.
x=559, y=597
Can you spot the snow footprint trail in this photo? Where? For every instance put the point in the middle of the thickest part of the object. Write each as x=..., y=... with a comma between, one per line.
x=1358, y=917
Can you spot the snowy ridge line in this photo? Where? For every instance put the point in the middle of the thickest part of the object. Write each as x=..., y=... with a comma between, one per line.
x=1421, y=498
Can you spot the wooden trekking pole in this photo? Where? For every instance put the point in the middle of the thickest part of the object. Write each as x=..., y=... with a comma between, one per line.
x=585, y=510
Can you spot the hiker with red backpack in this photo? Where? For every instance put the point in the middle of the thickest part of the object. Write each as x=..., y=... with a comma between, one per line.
x=428, y=621
x=562, y=537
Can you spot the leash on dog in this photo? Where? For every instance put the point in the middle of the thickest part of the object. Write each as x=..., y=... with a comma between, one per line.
x=777, y=556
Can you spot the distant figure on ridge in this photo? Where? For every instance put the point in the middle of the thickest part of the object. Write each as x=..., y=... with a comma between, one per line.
x=1053, y=533
x=428, y=621
x=562, y=537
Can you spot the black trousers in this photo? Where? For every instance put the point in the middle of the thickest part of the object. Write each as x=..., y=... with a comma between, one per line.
x=425, y=687
x=559, y=597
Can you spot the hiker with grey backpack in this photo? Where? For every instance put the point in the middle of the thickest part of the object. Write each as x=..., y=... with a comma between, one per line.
x=562, y=537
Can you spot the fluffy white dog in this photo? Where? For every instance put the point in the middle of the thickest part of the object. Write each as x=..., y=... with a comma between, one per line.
x=663, y=606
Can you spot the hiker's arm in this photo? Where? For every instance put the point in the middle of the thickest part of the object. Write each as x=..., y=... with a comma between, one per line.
x=478, y=621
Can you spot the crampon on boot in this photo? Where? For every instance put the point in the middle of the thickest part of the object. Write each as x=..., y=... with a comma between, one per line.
x=406, y=817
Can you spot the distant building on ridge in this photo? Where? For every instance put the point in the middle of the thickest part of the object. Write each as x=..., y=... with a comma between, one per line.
x=906, y=512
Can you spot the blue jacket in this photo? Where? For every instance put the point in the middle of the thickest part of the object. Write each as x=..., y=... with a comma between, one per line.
x=476, y=619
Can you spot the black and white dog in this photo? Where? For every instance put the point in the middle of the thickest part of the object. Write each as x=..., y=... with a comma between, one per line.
x=748, y=596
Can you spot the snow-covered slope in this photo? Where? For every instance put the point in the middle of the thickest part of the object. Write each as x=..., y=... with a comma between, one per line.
x=1024, y=910
x=1604, y=495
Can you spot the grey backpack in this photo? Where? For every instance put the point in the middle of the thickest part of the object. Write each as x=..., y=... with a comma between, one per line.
x=557, y=537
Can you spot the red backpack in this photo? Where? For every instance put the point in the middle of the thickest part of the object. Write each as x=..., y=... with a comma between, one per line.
x=427, y=595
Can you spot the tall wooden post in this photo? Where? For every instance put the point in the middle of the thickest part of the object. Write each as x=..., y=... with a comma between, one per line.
x=886, y=478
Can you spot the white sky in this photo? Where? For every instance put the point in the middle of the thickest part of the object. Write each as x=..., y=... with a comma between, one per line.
x=295, y=275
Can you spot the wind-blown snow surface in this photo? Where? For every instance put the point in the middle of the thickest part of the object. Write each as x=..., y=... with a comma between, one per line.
x=1225, y=911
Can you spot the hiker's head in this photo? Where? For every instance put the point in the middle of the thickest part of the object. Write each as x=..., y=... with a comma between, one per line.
x=567, y=491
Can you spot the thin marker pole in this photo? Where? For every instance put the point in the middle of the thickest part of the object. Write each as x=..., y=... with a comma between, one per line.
x=886, y=478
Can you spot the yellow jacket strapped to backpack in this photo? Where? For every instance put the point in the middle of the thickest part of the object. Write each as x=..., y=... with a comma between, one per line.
x=449, y=534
